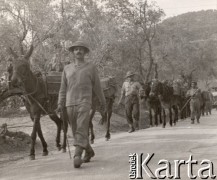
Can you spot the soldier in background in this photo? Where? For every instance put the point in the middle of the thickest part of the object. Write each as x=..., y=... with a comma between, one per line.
x=130, y=95
x=195, y=102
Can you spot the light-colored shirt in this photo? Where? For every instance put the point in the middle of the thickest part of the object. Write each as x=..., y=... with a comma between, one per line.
x=194, y=93
x=130, y=88
x=78, y=85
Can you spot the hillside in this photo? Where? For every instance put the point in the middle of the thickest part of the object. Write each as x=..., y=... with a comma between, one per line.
x=194, y=26
x=189, y=41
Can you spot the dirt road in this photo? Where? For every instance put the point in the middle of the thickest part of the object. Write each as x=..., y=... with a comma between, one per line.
x=112, y=158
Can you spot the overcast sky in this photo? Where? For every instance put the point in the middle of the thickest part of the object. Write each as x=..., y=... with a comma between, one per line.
x=176, y=7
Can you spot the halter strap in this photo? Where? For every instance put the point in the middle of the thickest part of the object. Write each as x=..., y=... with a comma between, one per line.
x=31, y=93
x=35, y=90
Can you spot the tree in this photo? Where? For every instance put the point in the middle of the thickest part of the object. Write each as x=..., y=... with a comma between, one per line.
x=26, y=25
x=138, y=22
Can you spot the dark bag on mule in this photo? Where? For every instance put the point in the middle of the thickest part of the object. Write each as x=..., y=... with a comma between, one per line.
x=109, y=86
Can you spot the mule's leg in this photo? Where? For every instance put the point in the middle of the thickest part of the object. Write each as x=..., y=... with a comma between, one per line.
x=170, y=116
x=198, y=116
x=150, y=117
x=203, y=108
x=108, y=135
x=160, y=114
x=180, y=106
x=58, y=123
x=44, y=144
x=176, y=112
x=36, y=119
x=188, y=110
x=103, y=114
x=33, y=138
x=64, y=119
x=210, y=108
x=92, y=136
x=207, y=108
x=108, y=118
x=164, y=118
x=155, y=116
x=184, y=113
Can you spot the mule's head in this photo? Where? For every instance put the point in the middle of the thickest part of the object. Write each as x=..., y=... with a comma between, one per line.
x=144, y=92
x=155, y=88
x=166, y=89
x=20, y=73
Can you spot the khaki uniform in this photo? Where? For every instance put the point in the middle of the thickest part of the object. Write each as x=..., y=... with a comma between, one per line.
x=195, y=103
x=130, y=91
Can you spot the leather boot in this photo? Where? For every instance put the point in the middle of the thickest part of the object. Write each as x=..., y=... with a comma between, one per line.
x=131, y=128
x=136, y=125
x=77, y=157
x=89, y=153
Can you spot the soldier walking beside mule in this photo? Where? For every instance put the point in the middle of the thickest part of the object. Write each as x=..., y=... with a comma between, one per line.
x=79, y=81
x=130, y=94
x=195, y=102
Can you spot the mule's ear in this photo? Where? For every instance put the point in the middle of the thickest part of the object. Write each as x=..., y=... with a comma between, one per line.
x=11, y=51
x=29, y=53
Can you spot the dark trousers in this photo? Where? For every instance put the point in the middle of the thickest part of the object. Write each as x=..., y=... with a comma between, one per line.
x=132, y=109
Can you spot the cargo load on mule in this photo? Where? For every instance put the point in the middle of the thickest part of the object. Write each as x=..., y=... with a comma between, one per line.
x=177, y=88
x=109, y=86
x=53, y=81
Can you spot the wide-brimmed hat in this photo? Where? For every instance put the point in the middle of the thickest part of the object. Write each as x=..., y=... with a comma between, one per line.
x=129, y=74
x=194, y=82
x=78, y=44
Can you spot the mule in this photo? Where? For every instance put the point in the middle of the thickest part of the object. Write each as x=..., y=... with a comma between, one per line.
x=110, y=94
x=106, y=116
x=206, y=104
x=35, y=99
x=152, y=104
x=167, y=99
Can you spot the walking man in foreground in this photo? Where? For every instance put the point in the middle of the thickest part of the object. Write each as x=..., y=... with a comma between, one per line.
x=79, y=81
x=130, y=94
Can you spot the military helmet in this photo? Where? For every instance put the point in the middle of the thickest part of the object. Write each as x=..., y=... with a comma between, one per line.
x=194, y=82
x=129, y=74
x=78, y=44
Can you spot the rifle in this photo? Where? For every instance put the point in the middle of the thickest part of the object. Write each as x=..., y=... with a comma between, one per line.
x=189, y=100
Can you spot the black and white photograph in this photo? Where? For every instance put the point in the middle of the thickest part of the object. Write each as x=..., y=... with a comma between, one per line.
x=108, y=89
